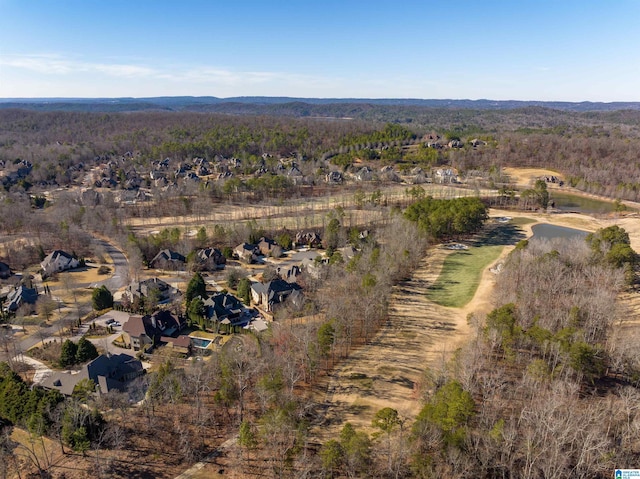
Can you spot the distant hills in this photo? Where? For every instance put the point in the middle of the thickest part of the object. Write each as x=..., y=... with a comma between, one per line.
x=291, y=106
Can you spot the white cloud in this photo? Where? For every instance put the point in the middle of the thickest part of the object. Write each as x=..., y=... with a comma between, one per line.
x=57, y=68
x=56, y=65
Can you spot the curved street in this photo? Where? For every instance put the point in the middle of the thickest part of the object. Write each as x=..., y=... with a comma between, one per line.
x=116, y=281
x=120, y=266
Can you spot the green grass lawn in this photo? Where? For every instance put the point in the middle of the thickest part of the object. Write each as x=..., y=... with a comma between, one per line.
x=461, y=274
x=521, y=221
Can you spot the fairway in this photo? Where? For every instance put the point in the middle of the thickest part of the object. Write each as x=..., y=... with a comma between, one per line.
x=460, y=276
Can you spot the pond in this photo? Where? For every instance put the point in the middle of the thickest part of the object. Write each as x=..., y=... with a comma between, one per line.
x=549, y=232
x=581, y=204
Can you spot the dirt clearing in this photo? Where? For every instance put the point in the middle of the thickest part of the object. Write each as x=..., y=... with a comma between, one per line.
x=388, y=371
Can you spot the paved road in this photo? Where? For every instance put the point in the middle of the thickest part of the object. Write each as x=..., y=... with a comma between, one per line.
x=114, y=283
x=120, y=267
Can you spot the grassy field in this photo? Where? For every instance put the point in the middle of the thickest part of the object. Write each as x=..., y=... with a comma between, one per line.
x=521, y=221
x=461, y=275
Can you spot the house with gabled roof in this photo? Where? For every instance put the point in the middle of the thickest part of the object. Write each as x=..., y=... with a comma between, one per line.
x=108, y=371
x=289, y=274
x=168, y=259
x=223, y=306
x=211, y=259
x=142, y=332
x=181, y=344
x=57, y=261
x=143, y=289
x=266, y=246
x=246, y=252
x=274, y=292
x=20, y=295
x=307, y=238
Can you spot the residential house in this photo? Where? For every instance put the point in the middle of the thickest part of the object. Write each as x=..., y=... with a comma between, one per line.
x=274, y=292
x=333, y=177
x=142, y=289
x=138, y=332
x=168, y=259
x=289, y=274
x=211, y=259
x=57, y=261
x=224, y=307
x=19, y=296
x=446, y=175
x=388, y=173
x=266, y=246
x=247, y=253
x=309, y=238
x=313, y=268
x=109, y=372
x=5, y=271
x=295, y=174
x=143, y=332
x=363, y=174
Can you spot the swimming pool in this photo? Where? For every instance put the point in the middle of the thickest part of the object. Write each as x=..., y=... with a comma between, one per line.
x=200, y=343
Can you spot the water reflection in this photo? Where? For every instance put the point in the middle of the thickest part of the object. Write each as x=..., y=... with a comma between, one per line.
x=549, y=232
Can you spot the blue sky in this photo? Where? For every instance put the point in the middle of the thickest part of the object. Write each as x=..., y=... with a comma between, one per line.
x=497, y=49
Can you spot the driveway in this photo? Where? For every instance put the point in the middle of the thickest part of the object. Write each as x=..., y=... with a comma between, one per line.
x=42, y=371
x=106, y=342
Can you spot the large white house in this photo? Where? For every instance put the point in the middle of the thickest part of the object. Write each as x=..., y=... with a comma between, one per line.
x=57, y=261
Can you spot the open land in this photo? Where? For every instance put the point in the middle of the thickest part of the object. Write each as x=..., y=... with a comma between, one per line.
x=421, y=334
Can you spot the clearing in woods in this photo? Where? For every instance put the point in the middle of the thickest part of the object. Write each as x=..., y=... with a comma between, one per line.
x=388, y=371
x=419, y=333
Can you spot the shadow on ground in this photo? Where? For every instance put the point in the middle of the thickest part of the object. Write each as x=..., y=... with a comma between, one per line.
x=500, y=235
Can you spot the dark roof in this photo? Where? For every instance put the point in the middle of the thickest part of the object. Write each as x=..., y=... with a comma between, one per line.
x=114, y=366
x=107, y=371
x=54, y=255
x=21, y=295
x=211, y=257
x=168, y=255
x=223, y=305
x=280, y=286
x=167, y=322
x=59, y=253
x=142, y=288
x=246, y=247
x=158, y=324
x=206, y=253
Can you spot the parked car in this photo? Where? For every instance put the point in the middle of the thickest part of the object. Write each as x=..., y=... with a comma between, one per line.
x=116, y=323
x=110, y=321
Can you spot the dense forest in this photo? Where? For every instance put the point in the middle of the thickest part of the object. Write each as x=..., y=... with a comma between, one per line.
x=596, y=150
